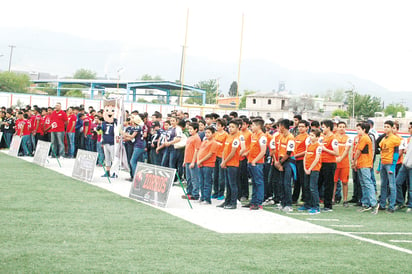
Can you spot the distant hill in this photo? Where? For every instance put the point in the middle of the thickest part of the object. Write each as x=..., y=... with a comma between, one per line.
x=63, y=54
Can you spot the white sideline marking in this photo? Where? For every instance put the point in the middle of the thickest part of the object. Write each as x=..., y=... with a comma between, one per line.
x=400, y=241
x=347, y=225
x=326, y=220
x=119, y=188
x=382, y=233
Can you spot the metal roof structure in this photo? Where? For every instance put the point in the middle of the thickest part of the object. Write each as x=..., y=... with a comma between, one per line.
x=130, y=86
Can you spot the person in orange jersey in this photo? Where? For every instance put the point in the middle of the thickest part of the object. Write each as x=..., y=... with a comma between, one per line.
x=219, y=173
x=206, y=159
x=301, y=141
x=230, y=162
x=312, y=164
x=343, y=166
x=363, y=161
x=245, y=136
x=389, y=146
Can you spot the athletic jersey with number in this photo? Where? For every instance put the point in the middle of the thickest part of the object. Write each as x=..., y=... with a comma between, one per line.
x=108, y=133
x=388, y=146
x=365, y=159
x=301, y=141
x=256, y=140
x=343, y=142
x=286, y=145
x=312, y=150
x=232, y=141
x=330, y=143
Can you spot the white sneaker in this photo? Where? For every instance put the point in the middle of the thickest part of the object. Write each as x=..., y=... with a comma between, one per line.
x=268, y=201
x=287, y=209
x=409, y=210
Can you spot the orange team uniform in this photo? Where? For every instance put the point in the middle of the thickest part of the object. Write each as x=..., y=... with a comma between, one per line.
x=312, y=150
x=274, y=146
x=232, y=141
x=330, y=143
x=192, y=144
x=256, y=140
x=365, y=159
x=388, y=145
x=286, y=144
x=301, y=141
x=220, y=139
x=205, y=148
x=401, y=146
x=245, y=137
x=343, y=167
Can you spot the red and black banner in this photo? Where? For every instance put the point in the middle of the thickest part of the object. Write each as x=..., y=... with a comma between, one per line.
x=152, y=184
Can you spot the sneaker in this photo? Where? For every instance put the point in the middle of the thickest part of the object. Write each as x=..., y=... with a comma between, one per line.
x=243, y=199
x=390, y=211
x=114, y=175
x=382, y=208
x=327, y=209
x=129, y=179
x=337, y=201
x=345, y=204
x=268, y=201
x=214, y=196
x=193, y=198
x=278, y=207
x=222, y=205
x=220, y=198
x=106, y=175
x=247, y=205
x=398, y=207
x=409, y=210
x=313, y=211
x=375, y=209
x=364, y=208
x=303, y=208
x=205, y=203
x=287, y=209
x=254, y=207
x=230, y=207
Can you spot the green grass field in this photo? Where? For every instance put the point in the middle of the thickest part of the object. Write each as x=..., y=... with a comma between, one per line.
x=52, y=223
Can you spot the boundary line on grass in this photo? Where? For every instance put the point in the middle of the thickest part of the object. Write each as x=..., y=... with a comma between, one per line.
x=382, y=233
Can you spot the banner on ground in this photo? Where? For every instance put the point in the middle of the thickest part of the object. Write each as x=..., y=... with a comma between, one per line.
x=15, y=146
x=42, y=152
x=84, y=165
x=152, y=184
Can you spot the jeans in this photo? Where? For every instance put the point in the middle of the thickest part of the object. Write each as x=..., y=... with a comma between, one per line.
x=218, y=178
x=192, y=178
x=27, y=145
x=70, y=143
x=243, y=185
x=312, y=181
x=299, y=184
x=57, y=143
x=258, y=186
x=368, y=190
x=205, y=183
x=7, y=138
x=88, y=142
x=100, y=152
x=357, y=190
x=166, y=156
x=275, y=181
x=327, y=176
x=231, y=179
x=404, y=175
x=137, y=156
x=286, y=177
x=387, y=180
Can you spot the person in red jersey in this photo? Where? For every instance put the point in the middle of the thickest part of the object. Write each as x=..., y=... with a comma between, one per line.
x=71, y=131
x=58, y=122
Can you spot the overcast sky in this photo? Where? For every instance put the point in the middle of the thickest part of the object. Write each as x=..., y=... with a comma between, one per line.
x=369, y=39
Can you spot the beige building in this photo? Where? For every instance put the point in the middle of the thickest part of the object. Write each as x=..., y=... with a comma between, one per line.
x=268, y=105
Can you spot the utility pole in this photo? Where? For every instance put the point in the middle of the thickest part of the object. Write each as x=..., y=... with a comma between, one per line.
x=11, y=55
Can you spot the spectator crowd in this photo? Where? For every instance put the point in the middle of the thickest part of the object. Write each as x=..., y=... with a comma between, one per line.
x=290, y=164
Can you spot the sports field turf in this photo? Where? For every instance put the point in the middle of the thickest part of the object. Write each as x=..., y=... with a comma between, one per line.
x=52, y=223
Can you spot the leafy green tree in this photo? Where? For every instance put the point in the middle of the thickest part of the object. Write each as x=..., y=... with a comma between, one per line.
x=142, y=100
x=393, y=110
x=210, y=87
x=14, y=82
x=84, y=74
x=195, y=99
x=365, y=105
x=242, y=103
x=148, y=77
x=233, y=89
x=337, y=95
x=341, y=113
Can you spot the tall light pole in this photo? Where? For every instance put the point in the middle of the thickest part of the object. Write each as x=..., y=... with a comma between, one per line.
x=11, y=55
x=353, y=101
